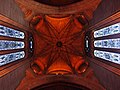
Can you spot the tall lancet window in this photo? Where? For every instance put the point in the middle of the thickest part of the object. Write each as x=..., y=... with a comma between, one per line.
x=11, y=57
x=12, y=45
x=9, y=32
x=110, y=30
x=107, y=43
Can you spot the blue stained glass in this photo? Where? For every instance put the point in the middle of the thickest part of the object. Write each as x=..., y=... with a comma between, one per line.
x=8, y=45
x=9, y=32
x=8, y=58
x=108, y=43
x=110, y=30
x=109, y=56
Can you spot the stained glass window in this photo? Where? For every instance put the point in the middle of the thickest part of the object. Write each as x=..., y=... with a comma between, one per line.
x=31, y=44
x=87, y=43
x=9, y=45
x=7, y=58
x=110, y=30
x=109, y=56
x=9, y=32
x=108, y=43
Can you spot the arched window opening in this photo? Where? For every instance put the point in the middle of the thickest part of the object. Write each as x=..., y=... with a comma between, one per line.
x=108, y=43
x=109, y=56
x=87, y=44
x=110, y=30
x=107, y=48
x=31, y=43
x=12, y=45
x=11, y=57
x=9, y=32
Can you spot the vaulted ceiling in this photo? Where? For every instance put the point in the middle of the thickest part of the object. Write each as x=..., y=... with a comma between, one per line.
x=58, y=28
x=59, y=44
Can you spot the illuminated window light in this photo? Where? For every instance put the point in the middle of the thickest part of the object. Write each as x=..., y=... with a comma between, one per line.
x=110, y=30
x=109, y=56
x=9, y=32
x=8, y=58
x=87, y=43
x=31, y=44
x=108, y=43
x=9, y=45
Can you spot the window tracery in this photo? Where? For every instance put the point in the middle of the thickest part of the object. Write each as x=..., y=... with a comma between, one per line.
x=11, y=57
x=110, y=30
x=11, y=45
x=107, y=43
x=109, y=56
x=9, y=32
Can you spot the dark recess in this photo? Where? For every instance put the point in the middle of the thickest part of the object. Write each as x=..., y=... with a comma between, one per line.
x=57, y=2
x=60, y=86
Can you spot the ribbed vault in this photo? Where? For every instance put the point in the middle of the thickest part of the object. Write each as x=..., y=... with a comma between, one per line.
x=59, y=44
